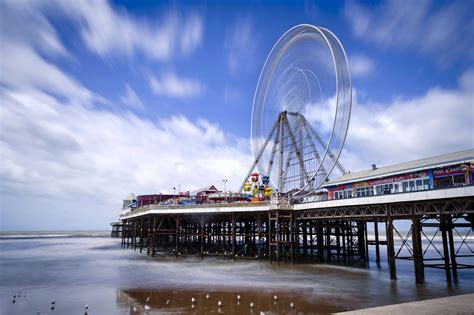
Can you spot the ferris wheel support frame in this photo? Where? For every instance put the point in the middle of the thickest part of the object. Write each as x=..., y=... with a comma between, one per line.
x=278, y=134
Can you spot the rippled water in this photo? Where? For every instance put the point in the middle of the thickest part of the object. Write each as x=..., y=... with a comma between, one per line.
x=94, y=269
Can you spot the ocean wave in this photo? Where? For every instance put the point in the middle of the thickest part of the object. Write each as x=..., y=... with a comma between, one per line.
x=61, y=234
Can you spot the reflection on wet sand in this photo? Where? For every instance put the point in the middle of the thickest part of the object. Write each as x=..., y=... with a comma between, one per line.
x=169, y=301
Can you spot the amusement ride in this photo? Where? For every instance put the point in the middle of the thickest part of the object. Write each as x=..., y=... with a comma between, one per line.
x=300, y=116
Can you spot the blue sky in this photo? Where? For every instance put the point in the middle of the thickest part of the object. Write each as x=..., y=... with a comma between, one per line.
x=100, y=98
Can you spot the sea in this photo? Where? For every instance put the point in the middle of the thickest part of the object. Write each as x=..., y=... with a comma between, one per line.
x=62, y=272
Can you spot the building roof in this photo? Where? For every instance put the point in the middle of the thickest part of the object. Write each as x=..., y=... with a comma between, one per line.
x=207, y=188
x=407, y=167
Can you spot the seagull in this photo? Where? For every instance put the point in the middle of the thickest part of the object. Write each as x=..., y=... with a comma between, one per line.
x=134, y=309
x=262, y=313
x=147, y=308
x=148, y=299
x=219, y=303
x=207, y=296
x=53, y=302
x=13, y=301
x=275, y=297
x=167, y=302
x=193, y=300
x=238, y=297
x=251, y=305
x=86, y=307
x=292, y=304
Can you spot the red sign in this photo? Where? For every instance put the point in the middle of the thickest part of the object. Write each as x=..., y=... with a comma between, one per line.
x=452, y=170
x=394, y=179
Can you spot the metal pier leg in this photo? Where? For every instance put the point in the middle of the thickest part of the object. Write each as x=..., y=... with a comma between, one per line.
x=320, y=241
x=176, y=247
x=444, y=237
x=328, y=243
x=292, y=236
x=361, y=240
x=366, y=238
x=304, y=230
x=417, y=250
x=233, y=236
x=454, y=265
x=141, y=235
x=391, y=250
x=259, y=236
x=377, y=244
x=123, y=233
x=201, y=237
x=153, y=237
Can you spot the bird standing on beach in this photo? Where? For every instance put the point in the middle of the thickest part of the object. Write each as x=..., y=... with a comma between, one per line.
x=147, y=308
x=148, y=299
x=275, y=297
x=193, y=300
x=251, y=305
x=207, y=296
x=219, y=303
x=292, y=305
x=238, y=297
x=168, y=302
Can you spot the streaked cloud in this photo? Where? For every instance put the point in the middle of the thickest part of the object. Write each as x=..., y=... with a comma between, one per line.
x=241, y=44
x=56, y=151
x=169, y=84
x=131, y=99
x=437, y=122
x=27, y=38
x=109, y=30
x=437, y=31
x=361, y=65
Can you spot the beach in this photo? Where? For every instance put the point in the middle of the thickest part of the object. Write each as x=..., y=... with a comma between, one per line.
x=75, y=269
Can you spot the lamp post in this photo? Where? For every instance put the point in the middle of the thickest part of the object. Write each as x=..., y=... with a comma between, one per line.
x=225, y=182
x=174, y=195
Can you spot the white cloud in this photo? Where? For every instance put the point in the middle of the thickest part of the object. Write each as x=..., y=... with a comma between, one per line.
x=361, y=65
x=443, y=32
x=109, y=30
x=131, y=98
x=54, y=150
x=191, y=37
x=241, y=44
x=26, y=35
x=169, y=84
x=440, y=121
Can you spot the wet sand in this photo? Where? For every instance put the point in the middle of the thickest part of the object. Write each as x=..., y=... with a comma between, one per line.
x=96, y=271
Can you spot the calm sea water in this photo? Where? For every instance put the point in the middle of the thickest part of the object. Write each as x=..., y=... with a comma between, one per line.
x=79, y=268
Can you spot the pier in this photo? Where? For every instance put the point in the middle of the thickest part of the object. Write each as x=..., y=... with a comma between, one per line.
x=322, y=231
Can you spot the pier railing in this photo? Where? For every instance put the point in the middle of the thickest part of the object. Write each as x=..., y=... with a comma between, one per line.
x=195, y=206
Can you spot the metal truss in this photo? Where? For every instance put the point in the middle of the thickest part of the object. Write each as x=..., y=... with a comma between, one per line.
x=394, y=210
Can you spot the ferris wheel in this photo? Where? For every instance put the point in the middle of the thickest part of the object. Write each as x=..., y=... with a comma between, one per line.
x=301, y=111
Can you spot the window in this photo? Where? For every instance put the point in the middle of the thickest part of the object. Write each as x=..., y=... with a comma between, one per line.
x=419, y=184
x=426, y=183
x=459, y=180
x=371, y=190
